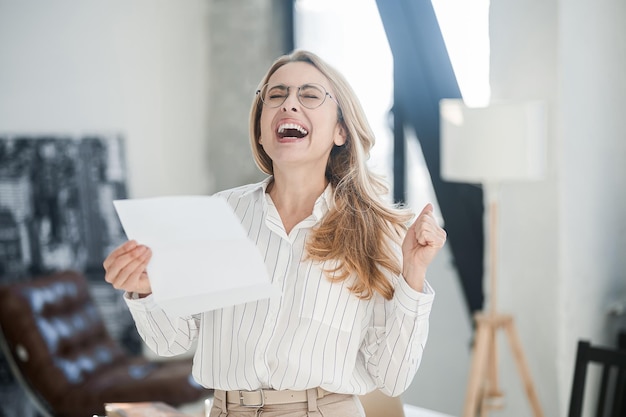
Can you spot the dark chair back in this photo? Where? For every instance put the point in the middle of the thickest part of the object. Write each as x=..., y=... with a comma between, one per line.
x=611, y=394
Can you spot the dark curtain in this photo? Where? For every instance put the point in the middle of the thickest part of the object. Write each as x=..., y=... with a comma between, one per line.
x=423, y=75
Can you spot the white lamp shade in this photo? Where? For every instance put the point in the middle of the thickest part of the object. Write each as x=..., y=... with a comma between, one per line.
x=505, y=141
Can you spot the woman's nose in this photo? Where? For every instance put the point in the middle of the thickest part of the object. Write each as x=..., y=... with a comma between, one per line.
x=291, y=102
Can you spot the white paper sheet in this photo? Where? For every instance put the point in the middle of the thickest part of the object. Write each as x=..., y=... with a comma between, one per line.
x=201, y=257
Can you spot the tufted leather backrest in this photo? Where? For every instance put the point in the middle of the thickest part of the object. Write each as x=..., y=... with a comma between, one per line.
x=55, y=333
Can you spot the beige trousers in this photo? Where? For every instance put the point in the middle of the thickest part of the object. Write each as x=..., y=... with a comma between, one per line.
x=331, y=405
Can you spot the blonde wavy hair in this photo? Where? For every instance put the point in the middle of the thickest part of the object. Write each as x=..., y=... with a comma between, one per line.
x=362, y=232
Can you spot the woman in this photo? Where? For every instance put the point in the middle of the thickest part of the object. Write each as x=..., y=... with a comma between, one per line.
x=353, y=316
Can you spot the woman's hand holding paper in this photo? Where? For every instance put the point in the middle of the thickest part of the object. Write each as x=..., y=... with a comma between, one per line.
x=126, y=268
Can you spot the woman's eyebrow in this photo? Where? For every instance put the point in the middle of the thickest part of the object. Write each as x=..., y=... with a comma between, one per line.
x=290, y=86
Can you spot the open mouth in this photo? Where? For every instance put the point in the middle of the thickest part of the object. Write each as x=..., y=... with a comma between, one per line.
x=291, y=130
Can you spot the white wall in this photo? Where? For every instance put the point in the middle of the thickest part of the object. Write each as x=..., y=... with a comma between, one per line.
x=562, y=240
x=592, y=99
x=138, y=68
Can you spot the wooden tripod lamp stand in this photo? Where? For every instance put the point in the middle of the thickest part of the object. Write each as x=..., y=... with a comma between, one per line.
x=503, y=142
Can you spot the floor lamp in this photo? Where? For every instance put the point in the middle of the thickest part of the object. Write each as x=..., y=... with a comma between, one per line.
x=503, y=142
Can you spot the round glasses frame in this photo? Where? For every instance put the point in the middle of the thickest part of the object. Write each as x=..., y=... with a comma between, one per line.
x=309, y=95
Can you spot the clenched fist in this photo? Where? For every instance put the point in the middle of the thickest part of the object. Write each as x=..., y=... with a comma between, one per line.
x=422, y=242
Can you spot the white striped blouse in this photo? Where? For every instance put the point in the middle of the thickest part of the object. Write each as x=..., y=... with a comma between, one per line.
x=317, y=334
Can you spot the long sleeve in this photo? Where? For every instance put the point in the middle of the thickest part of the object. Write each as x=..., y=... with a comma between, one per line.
x=164, y=335
x=393, y=347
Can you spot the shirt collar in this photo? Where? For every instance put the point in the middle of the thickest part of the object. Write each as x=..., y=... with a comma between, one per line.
x=259, y=186
x=324, y=202
x=322, y=205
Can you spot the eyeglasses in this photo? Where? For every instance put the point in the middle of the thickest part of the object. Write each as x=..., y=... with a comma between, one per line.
x=310, y=96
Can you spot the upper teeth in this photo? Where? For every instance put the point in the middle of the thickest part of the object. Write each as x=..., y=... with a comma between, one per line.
x=286, y=126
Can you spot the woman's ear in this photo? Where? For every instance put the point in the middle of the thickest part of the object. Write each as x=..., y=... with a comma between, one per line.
x=340, y=134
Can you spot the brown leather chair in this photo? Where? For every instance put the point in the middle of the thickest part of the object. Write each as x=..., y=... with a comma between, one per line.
x=61, y=353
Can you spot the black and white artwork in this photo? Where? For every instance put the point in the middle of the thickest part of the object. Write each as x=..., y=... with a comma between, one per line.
x=56, y=212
